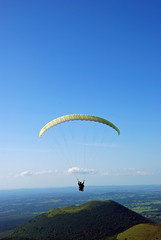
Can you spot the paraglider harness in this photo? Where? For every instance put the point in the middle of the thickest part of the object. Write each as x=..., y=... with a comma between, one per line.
x=81, y=185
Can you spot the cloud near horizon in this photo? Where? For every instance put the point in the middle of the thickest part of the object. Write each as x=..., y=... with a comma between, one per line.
x=29, y=173
x=80, y=170
x=128, y=172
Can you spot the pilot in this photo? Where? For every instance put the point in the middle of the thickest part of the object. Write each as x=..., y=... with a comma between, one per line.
x=81, y=185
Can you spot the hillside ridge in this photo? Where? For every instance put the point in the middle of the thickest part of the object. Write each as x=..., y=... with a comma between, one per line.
x=146, y=231
x=89, y=221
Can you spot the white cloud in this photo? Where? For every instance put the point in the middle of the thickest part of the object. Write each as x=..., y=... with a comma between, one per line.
x=29, y=173
x=144, y=173
x=80, y=170
x=106, y=174
x=45, y=172
x=127, y=172
x=25, y=173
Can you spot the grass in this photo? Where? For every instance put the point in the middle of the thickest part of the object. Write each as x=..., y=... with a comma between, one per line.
x=75, y=209
x=142, y=232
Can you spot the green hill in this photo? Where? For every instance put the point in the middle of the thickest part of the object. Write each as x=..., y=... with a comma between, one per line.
x=142, y=232
x=90, y=221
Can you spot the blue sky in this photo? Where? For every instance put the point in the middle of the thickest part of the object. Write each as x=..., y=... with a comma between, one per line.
x=89, y=56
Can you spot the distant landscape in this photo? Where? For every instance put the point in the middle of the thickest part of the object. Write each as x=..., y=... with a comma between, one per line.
x=94, y=220
x=19, y=206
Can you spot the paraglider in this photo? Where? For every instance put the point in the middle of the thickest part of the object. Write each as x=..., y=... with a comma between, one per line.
x=81, y=185
x=83, y=117
x=79, y=117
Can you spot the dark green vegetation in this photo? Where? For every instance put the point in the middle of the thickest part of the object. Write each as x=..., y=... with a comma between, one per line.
x=142, y=232
x=19, y=206
x=89, y=221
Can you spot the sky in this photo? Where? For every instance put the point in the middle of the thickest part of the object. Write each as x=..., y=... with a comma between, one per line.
x=98, y=57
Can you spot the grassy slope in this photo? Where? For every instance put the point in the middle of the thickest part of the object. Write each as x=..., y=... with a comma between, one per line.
x=142, y=232
x=92, y=220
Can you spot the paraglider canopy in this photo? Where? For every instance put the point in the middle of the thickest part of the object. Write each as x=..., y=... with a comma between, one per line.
x=82, y=117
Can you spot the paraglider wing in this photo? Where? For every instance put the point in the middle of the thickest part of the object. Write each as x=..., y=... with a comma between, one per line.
x=83, y=117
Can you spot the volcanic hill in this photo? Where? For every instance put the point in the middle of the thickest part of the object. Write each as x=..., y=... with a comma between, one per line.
x=89, y=221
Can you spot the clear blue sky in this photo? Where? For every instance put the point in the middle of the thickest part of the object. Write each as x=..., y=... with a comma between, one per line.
x=99, y=57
